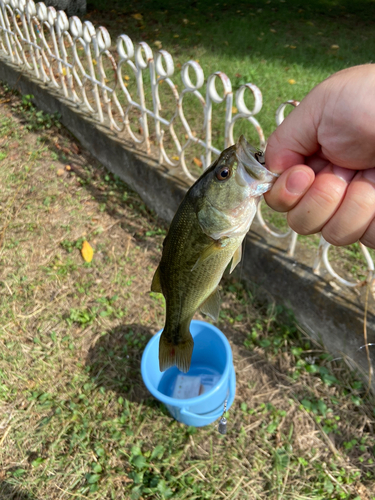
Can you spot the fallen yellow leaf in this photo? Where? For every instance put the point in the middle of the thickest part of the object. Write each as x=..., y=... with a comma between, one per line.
x=158, y=44
x=335, y=47
x=272, y=30
x=197, y=162
x=126, y=77
x=291, y=81
x=138, y=17
x=234, y=109
x=60, y=172
x=87, y=252
x=176, y=36
x=175, y=158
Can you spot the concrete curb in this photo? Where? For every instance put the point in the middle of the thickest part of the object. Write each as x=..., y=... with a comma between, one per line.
x=332, y=315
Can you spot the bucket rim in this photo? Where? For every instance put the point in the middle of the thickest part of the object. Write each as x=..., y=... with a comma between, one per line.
x=187, y=403
x=217, y=412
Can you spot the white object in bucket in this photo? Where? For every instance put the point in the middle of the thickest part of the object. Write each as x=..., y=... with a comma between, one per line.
x=208, y=382
x=186, y=387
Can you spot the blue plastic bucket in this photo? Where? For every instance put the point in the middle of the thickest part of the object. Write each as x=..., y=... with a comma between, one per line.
x=212, y=356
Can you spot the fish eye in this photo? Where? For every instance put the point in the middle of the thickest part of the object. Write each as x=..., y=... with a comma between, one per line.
x=223, y=173
x=260, y=157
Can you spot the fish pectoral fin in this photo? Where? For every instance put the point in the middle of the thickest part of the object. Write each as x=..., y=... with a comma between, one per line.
x=211, y=306
x=236, y=258
x=156, y=285
x=211, y=249
x=179, y=354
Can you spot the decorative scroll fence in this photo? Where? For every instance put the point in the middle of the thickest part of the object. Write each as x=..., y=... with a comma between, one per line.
x=78, y=61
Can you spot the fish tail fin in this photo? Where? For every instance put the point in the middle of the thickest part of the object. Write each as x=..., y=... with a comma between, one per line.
x=179, y=355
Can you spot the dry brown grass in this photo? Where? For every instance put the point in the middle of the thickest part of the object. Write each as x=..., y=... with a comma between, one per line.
x=74, y=412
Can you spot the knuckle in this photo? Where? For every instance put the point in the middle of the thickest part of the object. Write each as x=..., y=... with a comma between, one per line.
x=368, y=238
x=327, y=196
x=335, y=238
x=300, y=224
x=368, y=241
x=362, y=200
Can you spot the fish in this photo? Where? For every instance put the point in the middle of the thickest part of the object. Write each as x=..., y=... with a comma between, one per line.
x=205, y=235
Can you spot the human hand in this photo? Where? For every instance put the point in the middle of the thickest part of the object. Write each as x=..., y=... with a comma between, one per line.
x=325, y=153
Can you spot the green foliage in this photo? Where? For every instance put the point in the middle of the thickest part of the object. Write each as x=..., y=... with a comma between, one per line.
x=83, y=318
x=69, y=246
x=73, y=335
x=35, y=119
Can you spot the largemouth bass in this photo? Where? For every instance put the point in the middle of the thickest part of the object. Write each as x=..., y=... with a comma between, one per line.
x=205, y=235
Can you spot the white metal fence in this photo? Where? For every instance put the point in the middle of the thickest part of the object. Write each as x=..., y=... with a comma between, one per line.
x=79, y=62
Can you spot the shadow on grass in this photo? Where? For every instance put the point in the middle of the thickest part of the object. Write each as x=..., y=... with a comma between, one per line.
x=10, y=492
x=112, y=194
x=115, y=361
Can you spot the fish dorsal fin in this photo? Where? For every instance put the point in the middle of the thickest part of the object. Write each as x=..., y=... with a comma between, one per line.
x=156, y=285
x=236, y=258
x=211, y=306
x=210, y=249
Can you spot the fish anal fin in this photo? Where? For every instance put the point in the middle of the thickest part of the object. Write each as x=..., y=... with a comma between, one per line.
x=211, y=306
x=175, y=355
x=210, y=249
x=156, y=285
x=236, y=258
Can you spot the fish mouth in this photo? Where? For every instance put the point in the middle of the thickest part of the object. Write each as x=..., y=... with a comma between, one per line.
x=253, y=173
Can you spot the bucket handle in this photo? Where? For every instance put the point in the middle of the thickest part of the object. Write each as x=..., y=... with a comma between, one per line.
x=209, y=418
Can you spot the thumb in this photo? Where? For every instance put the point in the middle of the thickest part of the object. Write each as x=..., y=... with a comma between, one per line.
x=295, y=138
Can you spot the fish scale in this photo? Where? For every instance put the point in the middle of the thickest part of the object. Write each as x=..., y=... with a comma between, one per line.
x=205, y=235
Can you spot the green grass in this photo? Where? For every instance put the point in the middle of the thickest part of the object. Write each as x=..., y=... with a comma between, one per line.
x=76, y=419
x=285, y=48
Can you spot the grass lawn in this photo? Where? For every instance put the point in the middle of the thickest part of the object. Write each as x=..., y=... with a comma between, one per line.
x=283, y=47
x=75, y=418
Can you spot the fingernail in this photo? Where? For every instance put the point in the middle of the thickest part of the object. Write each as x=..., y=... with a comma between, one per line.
x=369, y=174
x=297, y=182
x=346, y=174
